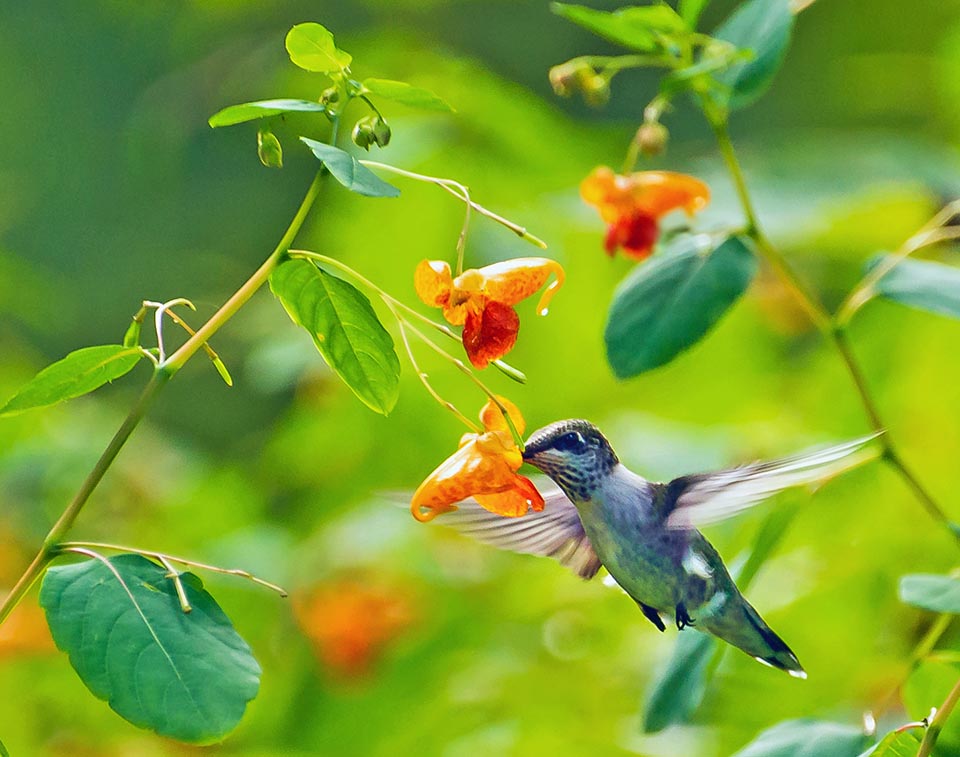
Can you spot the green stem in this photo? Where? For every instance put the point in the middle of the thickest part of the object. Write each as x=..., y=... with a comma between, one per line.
x=936, y=725
x=830, y=328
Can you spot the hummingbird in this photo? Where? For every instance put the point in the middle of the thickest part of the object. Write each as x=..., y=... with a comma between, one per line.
x=598, y=513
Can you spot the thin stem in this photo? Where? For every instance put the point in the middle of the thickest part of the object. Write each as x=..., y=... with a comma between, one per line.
x=828, y=327
x=460, y=192
x=936, y=725
x=174, y=575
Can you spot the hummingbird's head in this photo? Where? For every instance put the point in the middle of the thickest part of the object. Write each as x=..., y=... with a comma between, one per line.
x=574, y=454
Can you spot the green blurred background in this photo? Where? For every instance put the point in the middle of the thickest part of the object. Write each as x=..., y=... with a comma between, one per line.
x=114, y=189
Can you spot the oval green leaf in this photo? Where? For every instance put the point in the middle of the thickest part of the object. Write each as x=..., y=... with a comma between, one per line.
x=807, y=738
x=78, y=373
x=344, y=168
x=187, y=676
x=671, y=301
x=931, y=592
x=405, y=94
x=311, y=47
x=238, y=114
x=904, y=744
x=345, y=329
x=268, y=149
x=921, y=284
x=643, y=28
x=764, y=28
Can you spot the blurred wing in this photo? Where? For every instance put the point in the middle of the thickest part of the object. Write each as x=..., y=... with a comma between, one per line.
x=702, y=499
x=555, y=532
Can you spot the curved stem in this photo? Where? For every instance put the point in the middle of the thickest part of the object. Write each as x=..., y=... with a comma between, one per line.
x=829, y=327
x=936, y=725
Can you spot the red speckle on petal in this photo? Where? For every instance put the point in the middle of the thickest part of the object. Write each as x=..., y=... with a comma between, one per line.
x=490, y=333
x=635, y=234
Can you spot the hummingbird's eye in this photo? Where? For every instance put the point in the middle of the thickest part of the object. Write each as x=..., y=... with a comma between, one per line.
x=572, y=441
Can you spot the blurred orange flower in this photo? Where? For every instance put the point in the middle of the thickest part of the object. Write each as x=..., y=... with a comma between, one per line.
x=482, y=299
x=485, y=468
x=633, y=205
x=350, y=623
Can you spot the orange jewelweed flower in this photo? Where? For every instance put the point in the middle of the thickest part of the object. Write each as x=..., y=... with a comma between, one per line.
x=633, y=205
x=485, y=468
x=482, y=299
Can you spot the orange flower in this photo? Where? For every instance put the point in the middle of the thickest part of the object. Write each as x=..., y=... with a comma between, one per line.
x=485, y=468
x=633, y=205
x=481, y=300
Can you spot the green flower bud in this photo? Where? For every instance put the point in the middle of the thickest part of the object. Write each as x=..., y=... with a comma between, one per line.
x=596, y=90
x=268, y=148
x=371, y=130
x=329, y=96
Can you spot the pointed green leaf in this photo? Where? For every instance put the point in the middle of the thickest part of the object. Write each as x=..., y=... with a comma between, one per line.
x=237, y=114
x=311, y=47
x=807, y=738
x=3, y=750
x=931, y=592
x=78, y=373
x=345, y=329
x=642, y=28
x=187, y=676
x=921, y=284
x=345, y=169
x=405, y=94
x=903, y=744
x=690, y=11
x=763, y=27
x=679, y=689
x=672, y=300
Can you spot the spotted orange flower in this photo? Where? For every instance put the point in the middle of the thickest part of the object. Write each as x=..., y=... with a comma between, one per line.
x=485, y=468
x=482, y=299
x=633, y=205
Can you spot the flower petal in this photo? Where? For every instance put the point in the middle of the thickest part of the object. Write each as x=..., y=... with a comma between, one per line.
x=636, y=234
x=492, y=419
x=490, y=333
x=433, y=281
x=514, y=280
x=515, y=501
x=659, y=192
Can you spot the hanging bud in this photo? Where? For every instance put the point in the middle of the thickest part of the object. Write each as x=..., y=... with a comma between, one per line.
x=651, y=138
x=596, y=90
x=329, y=96
x=381, y=132
x=570, y=77
x=371, y=130
x=268, y=148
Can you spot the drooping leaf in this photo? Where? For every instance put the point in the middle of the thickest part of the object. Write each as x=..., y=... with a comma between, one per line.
x=344, y=168
x=679, y=689
x=311, y=47
x=690, y=11
x=642, y=28
x=921, y=284
x=78, y=373
x=405, y=94
x=807, y=738
x=904, y=744
x=931, y=592
x=763, y=27
x=671, y=301
x=268, y=148
x=187, y=676
x=238, y=114
x=345, y=329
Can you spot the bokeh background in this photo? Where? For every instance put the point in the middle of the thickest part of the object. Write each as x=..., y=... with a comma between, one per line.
x=401, y=638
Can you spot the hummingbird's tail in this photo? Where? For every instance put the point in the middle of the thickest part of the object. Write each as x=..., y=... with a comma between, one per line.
x=750, y=633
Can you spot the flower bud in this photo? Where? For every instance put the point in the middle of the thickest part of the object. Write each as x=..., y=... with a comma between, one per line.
x=596, y=90
x=371, y=130
x=651, y=138
x=268, y=149
x=329, y=96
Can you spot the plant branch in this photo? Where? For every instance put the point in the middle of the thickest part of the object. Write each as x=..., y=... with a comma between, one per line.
x=936, y=724
x=830, y=328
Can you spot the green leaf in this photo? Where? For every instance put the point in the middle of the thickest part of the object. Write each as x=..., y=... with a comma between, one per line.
x=311, y=47
x=345, y=329
x=931, y=592
x=78, y=373
x=405, y=94
x=690, y=11
x=921, y=284
x=807, y=738
x=671, y=301
x=3, y=750
x=764, y=27
x=643, y=28
x=187, y=676
x=237, y=114
x=268, y=148
x=679, y=689
x=928, y=687
x=903, y=744
x=345, y=169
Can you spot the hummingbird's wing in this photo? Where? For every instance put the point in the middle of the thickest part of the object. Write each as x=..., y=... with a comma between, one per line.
x=555, y=532
x=705, y=498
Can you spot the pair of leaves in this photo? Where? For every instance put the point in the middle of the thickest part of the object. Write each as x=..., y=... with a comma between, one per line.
x=920, y=284
x=344, y=328
x=670, y=302
x=187, y=676
x=78, y=373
